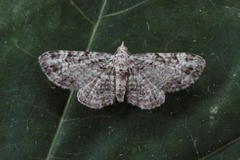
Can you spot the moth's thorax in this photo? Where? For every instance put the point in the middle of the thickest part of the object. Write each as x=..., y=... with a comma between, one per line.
x=120, y=63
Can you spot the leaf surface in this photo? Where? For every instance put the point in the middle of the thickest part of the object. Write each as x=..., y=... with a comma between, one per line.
x=42, y=121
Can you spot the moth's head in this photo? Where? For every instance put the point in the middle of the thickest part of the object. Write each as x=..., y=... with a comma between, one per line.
x=122, y=48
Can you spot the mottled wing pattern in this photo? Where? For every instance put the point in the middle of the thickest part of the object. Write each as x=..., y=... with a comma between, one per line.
x=73, y=69
x=169, y=72
x=99, y=92
x=99, y=77
x=141, y=92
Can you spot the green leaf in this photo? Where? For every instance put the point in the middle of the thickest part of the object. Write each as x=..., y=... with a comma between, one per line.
x=42, y=121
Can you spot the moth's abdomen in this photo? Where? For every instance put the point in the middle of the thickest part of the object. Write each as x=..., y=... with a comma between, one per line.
x=121, y=82
x=121, y=73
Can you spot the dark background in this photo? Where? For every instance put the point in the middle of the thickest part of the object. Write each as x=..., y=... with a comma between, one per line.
x=42, y=121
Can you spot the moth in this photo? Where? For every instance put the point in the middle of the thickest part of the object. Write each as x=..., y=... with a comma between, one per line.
x=142, y=78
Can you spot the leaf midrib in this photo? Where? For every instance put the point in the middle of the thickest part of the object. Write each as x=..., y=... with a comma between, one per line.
x=72, y=93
